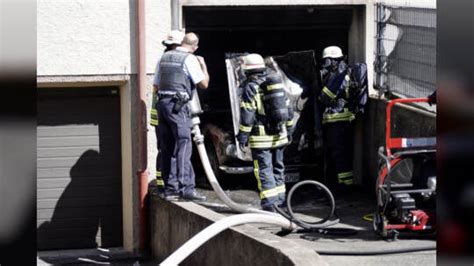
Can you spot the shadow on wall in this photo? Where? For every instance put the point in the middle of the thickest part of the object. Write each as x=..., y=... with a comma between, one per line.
x=79, y=188
x=87, y=225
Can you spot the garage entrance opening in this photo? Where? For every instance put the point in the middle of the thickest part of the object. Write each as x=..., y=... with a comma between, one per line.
x=269, y=30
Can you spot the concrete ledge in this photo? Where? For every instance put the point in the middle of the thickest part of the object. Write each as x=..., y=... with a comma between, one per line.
x=82, y=80
x=173, y=223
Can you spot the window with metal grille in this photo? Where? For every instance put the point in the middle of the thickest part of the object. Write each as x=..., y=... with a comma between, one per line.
x=405, y=60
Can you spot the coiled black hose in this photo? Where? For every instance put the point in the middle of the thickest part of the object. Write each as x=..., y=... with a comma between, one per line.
x=321, y=226
x=325, y=222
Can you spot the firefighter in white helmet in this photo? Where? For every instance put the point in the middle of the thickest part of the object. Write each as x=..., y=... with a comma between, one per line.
x=337, y=117
x=265, y=125
x=332, y=52
x=171, y=41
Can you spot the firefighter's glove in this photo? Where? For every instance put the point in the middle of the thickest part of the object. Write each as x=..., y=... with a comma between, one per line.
x=290, y=131
x=432, y=98
x=242, y=139
x=335, y=82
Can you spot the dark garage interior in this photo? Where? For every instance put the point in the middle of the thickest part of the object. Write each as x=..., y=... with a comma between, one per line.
x=268, y=30
x=273, y=30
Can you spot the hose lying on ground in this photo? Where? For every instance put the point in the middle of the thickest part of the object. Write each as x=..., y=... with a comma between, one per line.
x=253, y=215
x=196, y=241
x=199, y=140
x=375, y=252
x=334, y=231
x=312, y=227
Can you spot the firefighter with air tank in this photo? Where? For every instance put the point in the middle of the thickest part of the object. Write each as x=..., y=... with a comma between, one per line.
x=343, y=95
x=265, y=126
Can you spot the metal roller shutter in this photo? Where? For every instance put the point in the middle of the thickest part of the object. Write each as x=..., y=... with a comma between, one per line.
x=79, y=188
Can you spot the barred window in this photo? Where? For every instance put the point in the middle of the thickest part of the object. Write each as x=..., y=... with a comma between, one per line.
x=405, y=63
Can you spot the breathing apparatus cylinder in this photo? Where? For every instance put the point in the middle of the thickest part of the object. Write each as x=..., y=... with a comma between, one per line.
x=195, y=104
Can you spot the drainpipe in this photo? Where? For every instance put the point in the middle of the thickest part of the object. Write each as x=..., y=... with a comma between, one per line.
x=174, y=14
x=141, y=124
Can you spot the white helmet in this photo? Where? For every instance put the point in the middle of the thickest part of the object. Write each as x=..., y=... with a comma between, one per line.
x=174, y=37
x=332, y=52
x=253, y=61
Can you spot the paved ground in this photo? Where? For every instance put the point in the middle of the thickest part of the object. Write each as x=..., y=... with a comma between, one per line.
x=351, y=207
x=101, y=256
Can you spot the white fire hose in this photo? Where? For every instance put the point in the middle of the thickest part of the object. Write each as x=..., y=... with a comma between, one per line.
x=196, y=241
x=211, y=177
x=251, y=214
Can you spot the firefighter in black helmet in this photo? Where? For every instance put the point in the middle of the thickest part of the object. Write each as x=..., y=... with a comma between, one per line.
x=266, y=122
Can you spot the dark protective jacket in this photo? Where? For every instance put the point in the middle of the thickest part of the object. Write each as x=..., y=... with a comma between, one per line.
x=344, y=92
x=254, y=125
x=172, y=76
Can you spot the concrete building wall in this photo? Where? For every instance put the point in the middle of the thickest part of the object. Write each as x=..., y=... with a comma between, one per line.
x=87, y=37
x=84, y=37
x=88, y=43
x=158, y=24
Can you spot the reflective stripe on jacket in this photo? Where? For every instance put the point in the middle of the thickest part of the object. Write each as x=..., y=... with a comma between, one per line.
x=335, y=97
x=344, y=115
x=252, y=113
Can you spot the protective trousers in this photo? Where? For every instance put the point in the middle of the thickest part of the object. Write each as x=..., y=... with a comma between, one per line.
x=175, y=139
x=339, y=141
x=269, y=170
x=160, y=183
x=159, y=179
